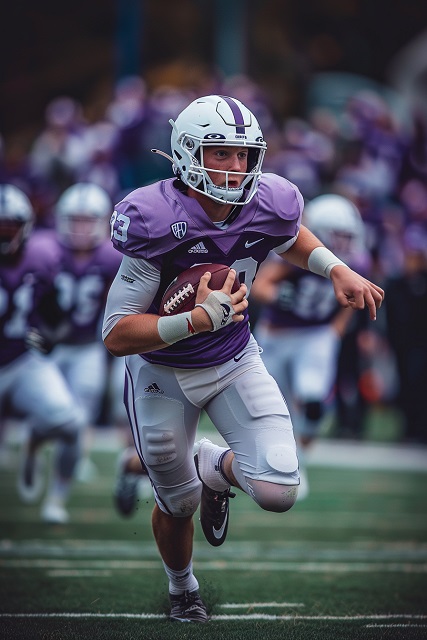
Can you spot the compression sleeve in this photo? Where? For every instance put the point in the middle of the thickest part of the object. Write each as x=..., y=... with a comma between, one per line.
x=132, y=291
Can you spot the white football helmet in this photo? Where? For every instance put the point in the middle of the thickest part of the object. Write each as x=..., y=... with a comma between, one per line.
x=217, y=120
x=82, y=216
x=337, y=222
x=16, y=219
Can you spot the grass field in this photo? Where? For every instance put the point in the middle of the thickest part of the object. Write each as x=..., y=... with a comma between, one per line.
x=348, y=562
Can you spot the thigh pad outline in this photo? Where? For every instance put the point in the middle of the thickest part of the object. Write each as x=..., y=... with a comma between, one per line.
x=162, y=431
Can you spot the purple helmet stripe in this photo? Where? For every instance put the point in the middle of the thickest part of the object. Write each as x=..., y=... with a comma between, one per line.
x=237, y=114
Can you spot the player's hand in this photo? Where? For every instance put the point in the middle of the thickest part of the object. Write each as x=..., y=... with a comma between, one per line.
x=211, y=299
x=238, y=299
x=355, y=291
x=35, y=341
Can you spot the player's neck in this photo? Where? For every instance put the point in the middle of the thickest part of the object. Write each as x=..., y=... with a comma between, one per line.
x=215, y=211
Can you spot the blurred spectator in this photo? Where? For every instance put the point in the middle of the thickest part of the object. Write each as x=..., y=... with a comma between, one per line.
x=128, y=112
x=406, y=307
x=101, y=166
x=61, y=148
x=164, y=102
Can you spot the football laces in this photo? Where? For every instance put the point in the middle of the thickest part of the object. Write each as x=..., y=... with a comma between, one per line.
x=178, y=298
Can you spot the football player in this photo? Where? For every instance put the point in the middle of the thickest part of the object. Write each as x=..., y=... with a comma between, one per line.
x=30, y=384
x=88, y=264
x=219, y=208
x=301, y=324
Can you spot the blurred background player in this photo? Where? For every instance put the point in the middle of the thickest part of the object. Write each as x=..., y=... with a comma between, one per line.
x=132, y=482
x=31, y=386
x=88, y=266
x=300, y=323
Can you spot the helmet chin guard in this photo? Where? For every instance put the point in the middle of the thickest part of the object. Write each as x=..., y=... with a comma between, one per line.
x=213, y=121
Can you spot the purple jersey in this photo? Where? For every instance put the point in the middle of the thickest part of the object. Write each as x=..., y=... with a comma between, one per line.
x=163, y=225
x=23, y=283
x=305, y=300
x=82, y=285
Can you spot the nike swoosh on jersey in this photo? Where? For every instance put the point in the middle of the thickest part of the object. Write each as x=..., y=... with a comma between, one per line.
x=237, y=358
x=250, y=244
x=218, y=533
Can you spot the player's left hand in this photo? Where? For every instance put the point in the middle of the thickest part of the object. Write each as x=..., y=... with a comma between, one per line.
x=355, y=291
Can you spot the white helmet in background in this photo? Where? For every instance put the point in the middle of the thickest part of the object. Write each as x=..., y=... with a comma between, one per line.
x=82, y=216
x=212, y=121
x=16, y=219
x=337, y=222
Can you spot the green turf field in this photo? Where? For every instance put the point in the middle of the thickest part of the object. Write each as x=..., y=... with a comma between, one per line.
x=348, y=562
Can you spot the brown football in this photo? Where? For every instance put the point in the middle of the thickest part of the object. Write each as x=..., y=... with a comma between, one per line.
x=181, y=294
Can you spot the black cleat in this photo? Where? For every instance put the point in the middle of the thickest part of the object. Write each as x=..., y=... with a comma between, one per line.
x=187, y=607
x=214, y=509
x=129, y=485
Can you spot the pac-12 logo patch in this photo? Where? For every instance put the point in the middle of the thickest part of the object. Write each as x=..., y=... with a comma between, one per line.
x=179, y=229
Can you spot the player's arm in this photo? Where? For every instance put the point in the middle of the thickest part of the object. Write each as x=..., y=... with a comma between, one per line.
x=129, y=329
x=49, y=325
x=351, y=289
x=265, y=288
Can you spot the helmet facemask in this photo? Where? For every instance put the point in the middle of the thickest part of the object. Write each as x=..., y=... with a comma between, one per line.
x=82, y=232
x=16, y=219
x=13, y=235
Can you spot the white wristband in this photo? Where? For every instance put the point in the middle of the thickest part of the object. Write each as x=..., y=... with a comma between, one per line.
x=321, y=261
x=174, y=328
x=219, y=309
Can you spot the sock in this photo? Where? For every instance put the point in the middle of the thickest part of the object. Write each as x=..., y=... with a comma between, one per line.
x=180, y=581
x=59, y=490
x=210, y=463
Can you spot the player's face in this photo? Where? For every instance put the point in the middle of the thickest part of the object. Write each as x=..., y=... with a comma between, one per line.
x=223, y=158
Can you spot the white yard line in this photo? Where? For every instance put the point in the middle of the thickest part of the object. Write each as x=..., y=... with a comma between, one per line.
x=97, y=567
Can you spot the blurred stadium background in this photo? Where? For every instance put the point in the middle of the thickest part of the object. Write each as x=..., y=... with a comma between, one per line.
x=82, y=49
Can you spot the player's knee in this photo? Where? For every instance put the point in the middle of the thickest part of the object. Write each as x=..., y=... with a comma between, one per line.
x=271, y=496
x=180, y=501
x=67, y=430
x=278, y=492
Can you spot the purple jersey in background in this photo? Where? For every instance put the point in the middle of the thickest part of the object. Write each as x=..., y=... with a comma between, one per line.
x=306, y=299
x=23, y=283
x=82, y=285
